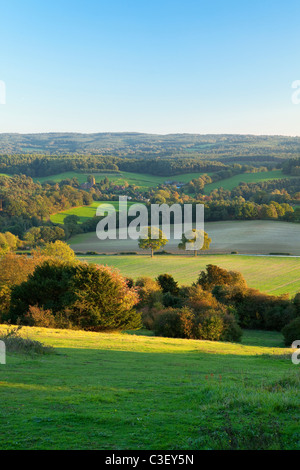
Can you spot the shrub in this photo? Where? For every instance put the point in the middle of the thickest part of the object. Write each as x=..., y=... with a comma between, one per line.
x=37, y=316
x=187, y=320
x=168, y=324
x=103, y=300
x=170, y=300
x=200, y=300
x=212, y=325
x=149, y=292
x=150, y=316
x=232, y=331
x=49, y=287
x=291, y=332
x=168, y=284
x=256, y=310
x=209, y=327
x=129, y=282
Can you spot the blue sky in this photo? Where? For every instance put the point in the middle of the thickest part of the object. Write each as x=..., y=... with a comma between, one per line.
x=150, y=66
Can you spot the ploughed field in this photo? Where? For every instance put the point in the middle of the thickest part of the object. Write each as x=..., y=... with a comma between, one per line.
x=135, y=391
x=246, y=237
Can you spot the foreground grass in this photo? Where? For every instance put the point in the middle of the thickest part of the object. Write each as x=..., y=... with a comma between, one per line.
x=128, y=391
x=275, y=275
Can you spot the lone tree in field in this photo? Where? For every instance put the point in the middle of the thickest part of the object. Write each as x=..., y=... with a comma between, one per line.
x=154, y=241
x=199, y=234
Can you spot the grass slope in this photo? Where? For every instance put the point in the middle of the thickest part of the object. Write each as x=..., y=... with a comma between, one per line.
x=124, y=391
x=275, y=275
x=84, y=212
x=230, y=183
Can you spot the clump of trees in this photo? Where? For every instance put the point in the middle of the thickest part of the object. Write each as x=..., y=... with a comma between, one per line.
x=76, y=295
x=216, y=307
x=53, y=289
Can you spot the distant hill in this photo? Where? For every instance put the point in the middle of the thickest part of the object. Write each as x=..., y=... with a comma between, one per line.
x=220, y=147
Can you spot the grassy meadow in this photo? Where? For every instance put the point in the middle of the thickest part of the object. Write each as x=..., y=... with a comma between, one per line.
x=230, y=183
x=275, y=275
x=134, y=391
x=83, y=212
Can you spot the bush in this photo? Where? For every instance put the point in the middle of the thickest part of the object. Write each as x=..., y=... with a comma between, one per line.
x=150, y=316
x=170, y=300
x=37, y=316
x=168, y=284
x=103, y=300
x=209, y=327
x=149, y=292
x=291, y=332
x=232, y=331
x=200, y=300
x=169, y=324
x=256, y=310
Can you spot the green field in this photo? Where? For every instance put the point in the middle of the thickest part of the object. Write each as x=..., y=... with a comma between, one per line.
x=144, y=181
x=84, y=212
x=230, y=183
x=126, y=391
x=275, y=275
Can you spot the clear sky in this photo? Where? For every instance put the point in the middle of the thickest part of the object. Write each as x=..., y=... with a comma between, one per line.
x=157, y=66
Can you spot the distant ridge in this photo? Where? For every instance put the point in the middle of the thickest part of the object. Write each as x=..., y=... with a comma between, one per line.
x=138, y=144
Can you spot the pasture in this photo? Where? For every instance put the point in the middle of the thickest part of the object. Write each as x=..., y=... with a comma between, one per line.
x=230, y=183
x=274, y=275
x=83, y=212
x=116, y=391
